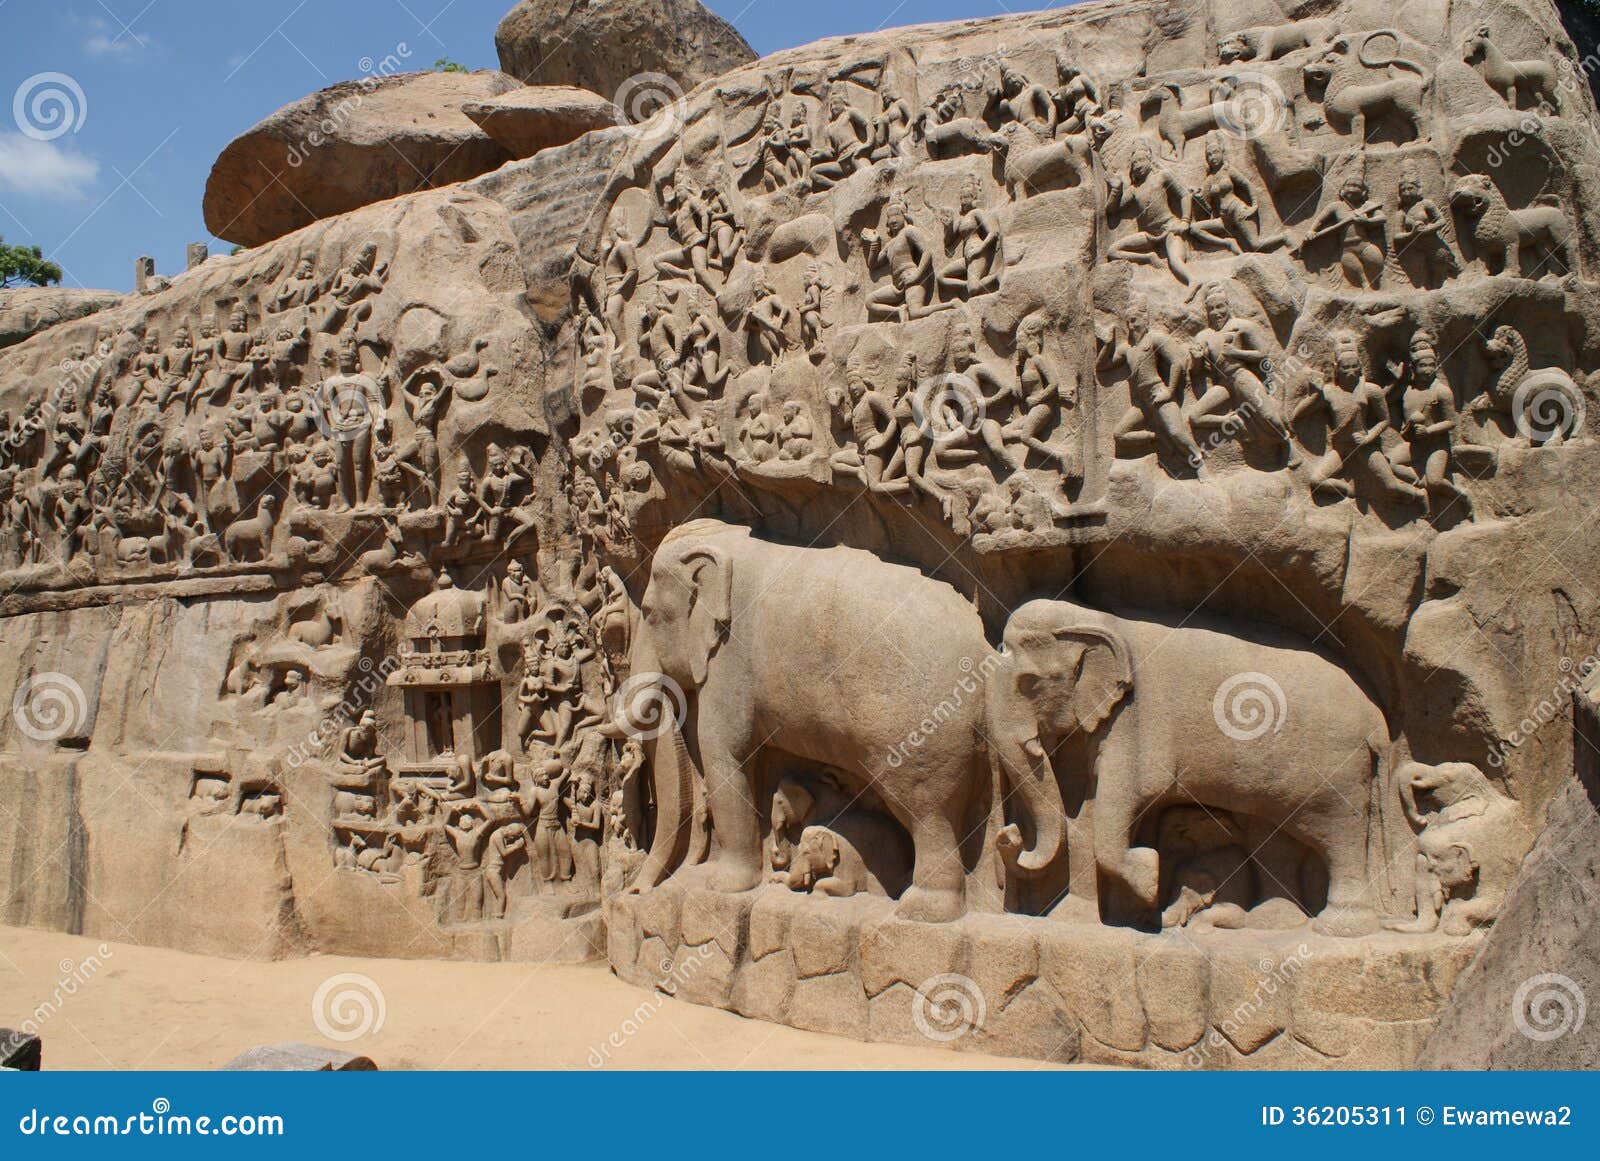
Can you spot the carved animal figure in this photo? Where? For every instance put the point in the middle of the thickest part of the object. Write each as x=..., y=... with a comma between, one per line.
x=1352, y=94
x=1512, y=79
x=785, y=675
x=1470, y=843
x=826, y=864
x=1176, y=715
x=1507, y=354
x=1501, y=234
x=317, y=632
x=1034, y=166
x=1177, y=125
x=1274, y=41
x=251, y=539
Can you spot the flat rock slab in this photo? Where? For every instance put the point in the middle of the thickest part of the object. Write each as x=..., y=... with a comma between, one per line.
x=541, y=117
x=348, y=146
x=20, y=1051
x=295, y=1057
x=602, y=44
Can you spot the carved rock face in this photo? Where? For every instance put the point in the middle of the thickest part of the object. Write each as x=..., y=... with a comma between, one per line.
x=601, y=44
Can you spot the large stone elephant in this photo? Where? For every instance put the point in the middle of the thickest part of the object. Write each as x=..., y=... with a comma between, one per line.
x=838, y=658
x=1194, y=714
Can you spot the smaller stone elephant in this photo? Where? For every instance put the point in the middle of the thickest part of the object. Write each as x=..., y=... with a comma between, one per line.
x=1470, y=841
x=825, y=863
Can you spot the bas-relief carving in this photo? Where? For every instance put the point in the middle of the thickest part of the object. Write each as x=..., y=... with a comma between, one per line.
x=1001, y=307
x=994, y=301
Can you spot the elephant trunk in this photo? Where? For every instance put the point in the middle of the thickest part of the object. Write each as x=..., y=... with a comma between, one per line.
x=672, y=774
x=1020, y=762
x=1028, y=771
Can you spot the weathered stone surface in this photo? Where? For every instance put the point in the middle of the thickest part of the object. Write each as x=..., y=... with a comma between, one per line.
x=527, y=120
x=602, y=44
x=294, y=1057
x=348, y=146
x=26, y=311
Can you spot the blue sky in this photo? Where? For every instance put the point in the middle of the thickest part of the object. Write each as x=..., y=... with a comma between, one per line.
x=151, y=91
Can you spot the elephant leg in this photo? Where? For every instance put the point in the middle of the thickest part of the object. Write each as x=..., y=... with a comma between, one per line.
x=735, y=820
x=1340, y=836
x=1129, y=876
x=938, y=881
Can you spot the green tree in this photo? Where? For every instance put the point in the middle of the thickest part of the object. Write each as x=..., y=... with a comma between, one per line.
x=445, y=65
x=20, y=265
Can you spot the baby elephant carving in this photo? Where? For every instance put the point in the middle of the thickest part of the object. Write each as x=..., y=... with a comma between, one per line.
x=825, y=863
x=1470, y=843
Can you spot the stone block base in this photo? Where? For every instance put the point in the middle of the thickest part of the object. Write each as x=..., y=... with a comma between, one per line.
x=1069, y=991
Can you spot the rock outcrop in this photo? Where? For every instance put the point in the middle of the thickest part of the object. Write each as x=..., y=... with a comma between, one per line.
x=603, y=44
x=537, y=117
x=27, y=311
x=348, y=146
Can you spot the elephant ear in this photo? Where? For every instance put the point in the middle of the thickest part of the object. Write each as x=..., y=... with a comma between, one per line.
x=1104, y=674
x=710, y=575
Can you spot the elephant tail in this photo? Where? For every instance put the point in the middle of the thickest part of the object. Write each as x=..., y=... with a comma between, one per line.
x=672, y=770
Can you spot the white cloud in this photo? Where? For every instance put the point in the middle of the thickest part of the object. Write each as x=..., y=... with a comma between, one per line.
x=104, y=40
x=43, y=167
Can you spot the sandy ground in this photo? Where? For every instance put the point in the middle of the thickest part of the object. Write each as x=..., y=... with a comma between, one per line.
x=150, y=1008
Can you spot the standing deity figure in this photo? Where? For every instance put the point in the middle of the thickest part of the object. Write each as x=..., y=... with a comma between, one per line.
x=504, y=844
x=542, y=801
x=619, y=272
x=1429, y=408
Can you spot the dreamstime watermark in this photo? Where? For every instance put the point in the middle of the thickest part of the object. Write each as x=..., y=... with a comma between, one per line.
x=1547, y=406
x=50, y=706
x=674, y=974
x=649, y=705
x=947, y=1007
x=948, y=408
x=360, y=697
x=342, y=111
x=349, y=1006
x=75, y=975
x=1273, y=975
x=1248, y=706
x=651, y=106
x=49, y=105
x=1256, y=106
x=1549, y=708
x=1548, y=1007
x=967, y=687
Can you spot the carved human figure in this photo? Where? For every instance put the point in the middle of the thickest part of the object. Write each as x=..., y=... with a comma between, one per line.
x=973, y=234
x=619, y=267
x=1000, y=404
x=1160, y=207
x=814, y=303
x=758, y=431
x=505, y=843
x=1429, y=408
x=1226, y=210
x=686, y=225
x=1015, y=98
x=584, y=824
x=1357, y=411
x=516, y=594
x=844, y=145
x=1158, y=376
x=1077, y=98
x=462, y=511
x=768, y=320
x=725, y=236
x=230, y=359
x=468, y=837
x=1047, y=393
x=1360, y=224
x=542, y=800
x=359, y=769
x=300, y=289
x=892, y=124
x=1230, y=359
x=797, y=439
x=909, y=256
x=349, y=291
x=1419, y=237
